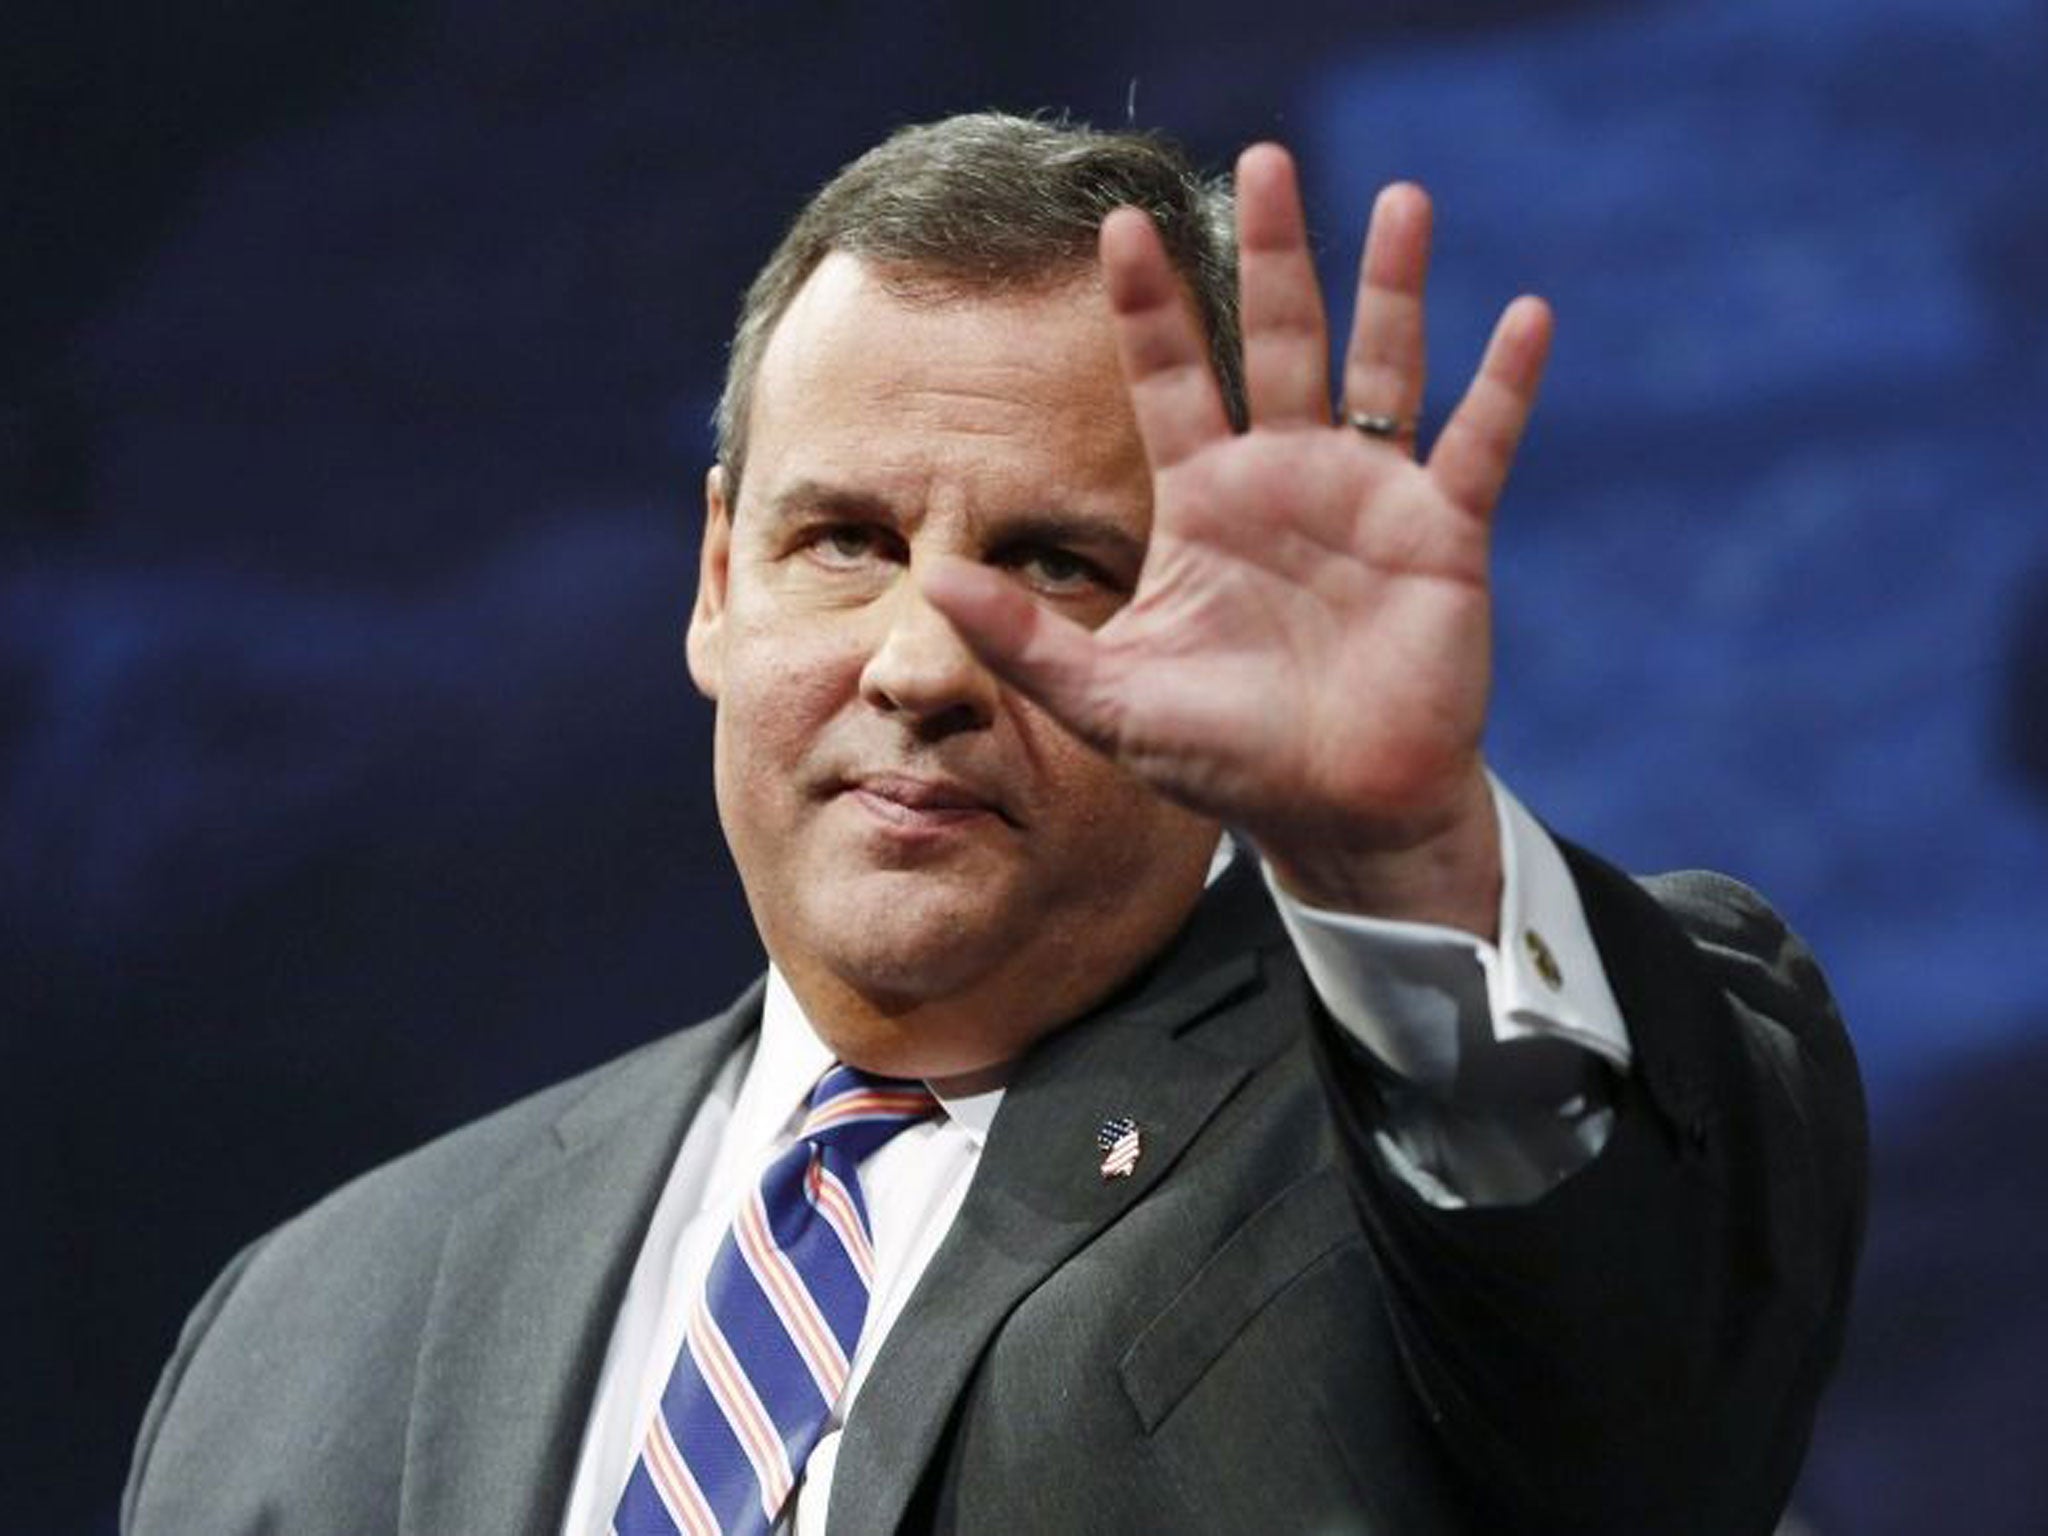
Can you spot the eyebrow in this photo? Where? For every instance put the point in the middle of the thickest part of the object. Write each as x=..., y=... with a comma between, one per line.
x=807, y=497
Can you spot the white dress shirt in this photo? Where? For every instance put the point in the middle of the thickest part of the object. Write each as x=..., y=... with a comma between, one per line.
x=1440, y=1010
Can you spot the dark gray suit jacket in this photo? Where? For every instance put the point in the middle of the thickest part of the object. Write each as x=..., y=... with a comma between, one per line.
x=1260, y=1331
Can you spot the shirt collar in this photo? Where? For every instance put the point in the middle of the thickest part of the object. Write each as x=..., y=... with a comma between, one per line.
x=789, y=1058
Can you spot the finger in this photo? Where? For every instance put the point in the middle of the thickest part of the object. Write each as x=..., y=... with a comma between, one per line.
x=1384, y=363
x=1286, y=343
x=1472, y=455
x=1044, y=655
x=1159, y=338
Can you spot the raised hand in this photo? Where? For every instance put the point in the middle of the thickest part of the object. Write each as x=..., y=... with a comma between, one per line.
x=1307, y=654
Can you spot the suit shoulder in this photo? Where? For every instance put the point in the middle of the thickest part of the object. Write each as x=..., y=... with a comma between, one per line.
x=292, y=1357
x=380, y=1235
x=438, y=1179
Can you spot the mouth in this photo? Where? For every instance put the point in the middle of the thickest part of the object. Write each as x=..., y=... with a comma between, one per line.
x=920, y=802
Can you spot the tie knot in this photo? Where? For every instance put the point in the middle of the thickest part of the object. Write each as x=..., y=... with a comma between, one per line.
x=859, y=1111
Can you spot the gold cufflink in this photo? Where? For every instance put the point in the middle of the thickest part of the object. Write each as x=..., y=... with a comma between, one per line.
x=1541, y=957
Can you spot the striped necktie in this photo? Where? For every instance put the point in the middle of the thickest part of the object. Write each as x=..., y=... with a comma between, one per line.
x=767, y=1348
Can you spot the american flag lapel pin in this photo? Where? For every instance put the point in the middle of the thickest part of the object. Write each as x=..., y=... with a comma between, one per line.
x=1119, y=1142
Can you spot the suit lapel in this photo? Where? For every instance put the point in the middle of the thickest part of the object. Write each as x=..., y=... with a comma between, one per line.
x=1160, y=1054
x=529, y=1288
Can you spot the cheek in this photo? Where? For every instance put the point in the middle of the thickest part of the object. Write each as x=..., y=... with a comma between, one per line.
x=1109, y=811
x=778, y=695
x=1123, y=831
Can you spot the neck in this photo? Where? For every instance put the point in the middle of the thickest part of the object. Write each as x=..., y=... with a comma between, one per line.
x=965, y=1041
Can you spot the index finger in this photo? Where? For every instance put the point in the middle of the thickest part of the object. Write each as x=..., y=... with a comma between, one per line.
x=1160, y=341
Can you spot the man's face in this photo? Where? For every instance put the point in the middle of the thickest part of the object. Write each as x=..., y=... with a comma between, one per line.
x=942, y=871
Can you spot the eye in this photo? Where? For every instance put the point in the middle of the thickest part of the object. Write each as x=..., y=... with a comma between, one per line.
x=1053, y=569
x=847, y=546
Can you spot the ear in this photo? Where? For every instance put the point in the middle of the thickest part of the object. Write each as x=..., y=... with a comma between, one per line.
x=705, y=643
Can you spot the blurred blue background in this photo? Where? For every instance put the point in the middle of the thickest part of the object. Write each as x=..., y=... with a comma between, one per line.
x=355, y=365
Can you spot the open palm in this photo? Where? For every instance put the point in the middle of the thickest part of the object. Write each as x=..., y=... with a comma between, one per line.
x=1307, y=654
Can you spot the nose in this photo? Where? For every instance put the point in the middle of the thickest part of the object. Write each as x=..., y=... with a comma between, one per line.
x=923, y=672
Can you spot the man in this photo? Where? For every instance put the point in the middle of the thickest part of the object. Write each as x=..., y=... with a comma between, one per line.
x=1414, y=1175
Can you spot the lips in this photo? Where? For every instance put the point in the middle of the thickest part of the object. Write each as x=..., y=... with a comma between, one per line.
x=923, y=800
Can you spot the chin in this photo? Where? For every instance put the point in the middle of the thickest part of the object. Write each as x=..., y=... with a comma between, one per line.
x=898, y=966
x=918, y=922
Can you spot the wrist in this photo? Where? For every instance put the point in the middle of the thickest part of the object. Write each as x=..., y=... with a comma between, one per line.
x=1448, y=873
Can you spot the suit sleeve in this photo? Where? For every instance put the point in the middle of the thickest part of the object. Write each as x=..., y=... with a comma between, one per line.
x=1642, y=1348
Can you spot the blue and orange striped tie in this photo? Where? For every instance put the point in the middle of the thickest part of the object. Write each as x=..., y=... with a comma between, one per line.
x=767, y=1348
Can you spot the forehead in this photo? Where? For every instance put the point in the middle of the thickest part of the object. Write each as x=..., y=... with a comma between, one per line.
x=864, y=378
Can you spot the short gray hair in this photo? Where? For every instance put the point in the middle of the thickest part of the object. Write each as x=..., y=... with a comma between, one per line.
x=989, y=202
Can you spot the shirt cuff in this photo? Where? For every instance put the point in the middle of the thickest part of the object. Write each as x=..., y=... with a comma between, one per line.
x=1419, y=996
